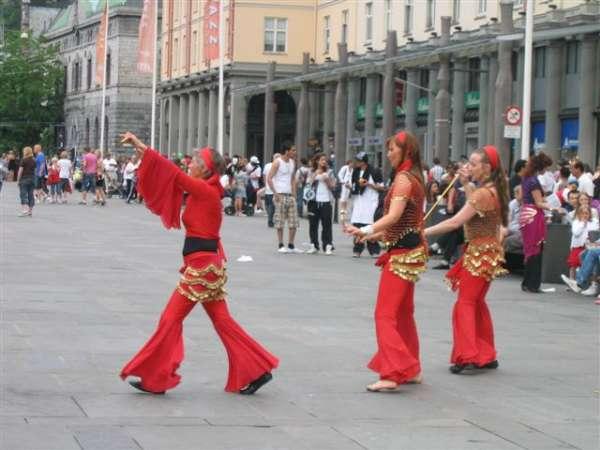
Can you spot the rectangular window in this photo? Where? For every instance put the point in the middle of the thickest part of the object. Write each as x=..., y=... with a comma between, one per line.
x=539, y=56
x=194, y=47
x=368, y=22
x=572, y=57
x=275, y=35
x=326, y=34
x=430, y=17
x=455, y=11
x=77, y=77
x=423, y=82
x=474, y=74
x=482, y=7
x=388, y=15
x=108, y=69
x=408, y=20
x=344, y=38
x=176, y=54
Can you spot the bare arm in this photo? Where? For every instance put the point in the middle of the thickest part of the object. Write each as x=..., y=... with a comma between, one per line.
x=19, y=174
x=271, y=174
x=538, y=199
x=463, y=216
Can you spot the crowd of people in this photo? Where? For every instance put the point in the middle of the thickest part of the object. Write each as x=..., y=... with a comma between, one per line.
x=286, y=190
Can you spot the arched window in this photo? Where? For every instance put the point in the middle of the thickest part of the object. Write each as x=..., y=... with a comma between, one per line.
x=108, y=69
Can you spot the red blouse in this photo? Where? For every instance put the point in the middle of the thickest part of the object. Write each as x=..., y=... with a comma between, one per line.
x=162, y=185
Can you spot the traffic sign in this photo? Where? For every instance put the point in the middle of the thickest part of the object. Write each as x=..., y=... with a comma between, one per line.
x=513, y=115
x=512, y=131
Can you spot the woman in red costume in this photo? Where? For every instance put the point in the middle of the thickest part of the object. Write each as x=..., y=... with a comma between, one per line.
x=483, y=216
x=401, y=230
x=162, y=185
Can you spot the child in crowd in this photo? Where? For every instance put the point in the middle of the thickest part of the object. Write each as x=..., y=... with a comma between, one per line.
x=53, y=181
x=582, y=224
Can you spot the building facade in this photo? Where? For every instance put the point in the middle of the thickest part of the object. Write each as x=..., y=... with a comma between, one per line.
x=358, y=70
x=128, y=93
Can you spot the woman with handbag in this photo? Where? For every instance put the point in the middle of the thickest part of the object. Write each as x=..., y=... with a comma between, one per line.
x=401, y=229
x=320, y=182
x=203, y=275
x=483, y=216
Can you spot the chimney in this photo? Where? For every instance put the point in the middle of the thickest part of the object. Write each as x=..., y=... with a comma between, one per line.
x=445, y=37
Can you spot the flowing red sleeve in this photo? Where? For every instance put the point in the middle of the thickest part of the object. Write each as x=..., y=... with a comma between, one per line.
x=157, y=184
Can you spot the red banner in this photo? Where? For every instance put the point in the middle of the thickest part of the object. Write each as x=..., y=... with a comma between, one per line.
x=211, y=30
x=101, y=47
x=148, y=39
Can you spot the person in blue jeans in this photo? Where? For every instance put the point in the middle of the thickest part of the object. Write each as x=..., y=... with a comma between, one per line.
x=590, y=266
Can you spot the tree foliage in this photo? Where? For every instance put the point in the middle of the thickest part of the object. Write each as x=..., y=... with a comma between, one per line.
x=31, y=98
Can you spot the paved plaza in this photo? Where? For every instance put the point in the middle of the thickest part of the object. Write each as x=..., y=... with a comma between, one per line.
x=82, y=288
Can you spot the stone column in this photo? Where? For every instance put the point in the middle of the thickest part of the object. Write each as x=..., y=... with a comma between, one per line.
x=458, y=109
x=313, y=116
x=428, y=153
x=212, y=117
x=269, y=130
x=173, y=125
x=302, y=113
x=351, y=115
x=192, y=120
x=410, y=108
x=370, y=105
x=587, y=125
x=442, y=110
x=484, y=98
x=503, y=97
x=341, y=108
x=202, y=118
x=163, y=143
x=328, y=106
x=182, y=141
x=554, y=72
x=237, y=123
x=389, y=95
x=493, y=74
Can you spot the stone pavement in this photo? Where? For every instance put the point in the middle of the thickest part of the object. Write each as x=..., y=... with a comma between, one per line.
x=82, y=289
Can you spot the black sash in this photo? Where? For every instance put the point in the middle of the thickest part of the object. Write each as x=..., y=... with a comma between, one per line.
x=196, y=244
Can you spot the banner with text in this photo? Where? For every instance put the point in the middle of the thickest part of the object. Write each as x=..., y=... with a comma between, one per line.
x=101, y=47
x=211, y=30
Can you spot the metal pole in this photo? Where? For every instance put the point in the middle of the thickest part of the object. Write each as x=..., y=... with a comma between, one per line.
x=221, y=64
x=102, y=120
x=525, y=137
x=155, y=64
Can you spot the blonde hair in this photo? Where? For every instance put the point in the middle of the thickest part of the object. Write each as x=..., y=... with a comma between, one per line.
x=27, y=152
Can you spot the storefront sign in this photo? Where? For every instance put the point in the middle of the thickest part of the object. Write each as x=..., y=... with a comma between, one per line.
x=512, y=131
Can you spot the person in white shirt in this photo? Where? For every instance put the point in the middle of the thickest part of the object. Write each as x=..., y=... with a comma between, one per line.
x=110, y=166
x=65, y=171
x=129, y=178
x=344, y=176
x=585, y=179
x=366, y=185
x=582, y=224
x=547, y=181
x=437, y=171
x=319, y=186
x=267, y=193
x=282, y=182
x=513, y=241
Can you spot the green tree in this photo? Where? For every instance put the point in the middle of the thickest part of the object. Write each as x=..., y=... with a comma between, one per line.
x=31, y=97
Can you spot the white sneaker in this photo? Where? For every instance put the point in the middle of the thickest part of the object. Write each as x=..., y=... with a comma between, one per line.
x=295, y=250
x=571, y=283
x=283, y=249
x=592, y=290
x=312, y=250
x=329, y=249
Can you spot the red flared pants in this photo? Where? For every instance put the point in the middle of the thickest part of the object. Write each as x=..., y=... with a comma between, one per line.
x=472, y=323
x=158, y=360
x=397, y=357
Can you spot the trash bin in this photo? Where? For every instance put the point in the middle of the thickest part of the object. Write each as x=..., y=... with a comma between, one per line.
x=556, y=251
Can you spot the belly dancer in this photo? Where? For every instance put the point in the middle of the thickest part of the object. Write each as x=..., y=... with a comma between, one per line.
x=203, y=278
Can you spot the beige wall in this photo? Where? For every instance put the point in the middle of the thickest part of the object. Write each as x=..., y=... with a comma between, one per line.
x=183, y=40
x=334, y=10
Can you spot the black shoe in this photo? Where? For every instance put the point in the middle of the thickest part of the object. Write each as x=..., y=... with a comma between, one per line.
x=491, y=365
x=257, y=384
x=442, y=266
x=138, y=386
x=458, y=368
x=531, y=291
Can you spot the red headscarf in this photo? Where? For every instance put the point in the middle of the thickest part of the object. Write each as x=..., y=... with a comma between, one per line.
x=407, y=164
x=215, y=179
x=492, y=156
